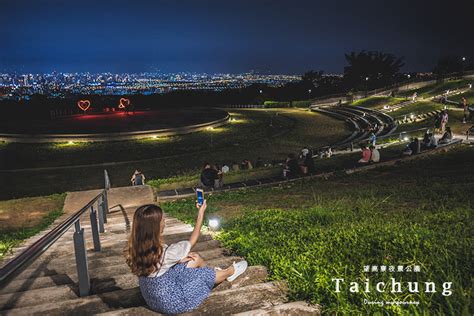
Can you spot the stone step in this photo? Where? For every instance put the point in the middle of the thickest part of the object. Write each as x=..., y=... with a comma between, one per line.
x=116, y=249
x=111, y=234
x=114, y=220
x=118, y=243
x=294, y=308
x=263, y=295
x=19, y=285
x=32, y=297
x=253, y=275
x=111, y=256
x=99, y=268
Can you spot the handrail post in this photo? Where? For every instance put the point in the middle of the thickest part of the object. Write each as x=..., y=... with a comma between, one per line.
x=102, y=215
x=105, y=203
x=81, y=260
x=94, y=228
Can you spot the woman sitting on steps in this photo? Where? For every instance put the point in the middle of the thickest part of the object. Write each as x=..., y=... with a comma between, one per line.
x=172, y=279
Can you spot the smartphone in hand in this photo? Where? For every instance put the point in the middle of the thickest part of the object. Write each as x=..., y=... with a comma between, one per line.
x=200, y=196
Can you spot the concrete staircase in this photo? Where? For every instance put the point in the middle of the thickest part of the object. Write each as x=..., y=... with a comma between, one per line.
x=49, y=284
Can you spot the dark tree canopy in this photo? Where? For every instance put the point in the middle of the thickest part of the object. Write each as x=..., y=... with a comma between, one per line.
x=371, y=69
x=451, y=64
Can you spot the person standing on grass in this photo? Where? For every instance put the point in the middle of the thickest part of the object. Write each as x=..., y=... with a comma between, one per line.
x=372, y=139
x=444, y=120
x=465, y=109
x=172, y=279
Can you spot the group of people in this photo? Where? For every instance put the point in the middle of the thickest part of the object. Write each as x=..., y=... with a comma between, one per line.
x=297, y=166
x=370, y=154
x=429, y=141
x=212, y=176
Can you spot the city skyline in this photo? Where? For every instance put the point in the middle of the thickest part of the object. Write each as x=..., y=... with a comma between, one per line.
x=275, y=37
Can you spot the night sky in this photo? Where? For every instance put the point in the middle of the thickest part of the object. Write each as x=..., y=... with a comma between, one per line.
x=227, y=36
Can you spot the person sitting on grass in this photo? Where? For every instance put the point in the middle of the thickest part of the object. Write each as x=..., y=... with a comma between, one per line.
x=225, y=168
x=366, y=153
x=433, y=141
x=447, y=136
x=138, y=178
x=210, y=177
x=308, y=165
x=235, y=166
x=259, y=163
x=426, y=140
x=172, y=279
x=412, y=148
x=374, y=154
x=292, y=169
x=246, y=165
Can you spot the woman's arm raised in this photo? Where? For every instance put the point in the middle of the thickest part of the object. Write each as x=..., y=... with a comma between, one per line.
x=197, y=227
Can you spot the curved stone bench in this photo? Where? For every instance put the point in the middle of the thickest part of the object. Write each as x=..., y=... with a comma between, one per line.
x=118, y=136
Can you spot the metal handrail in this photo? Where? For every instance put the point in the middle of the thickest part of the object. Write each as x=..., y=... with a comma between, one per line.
x=27, y=256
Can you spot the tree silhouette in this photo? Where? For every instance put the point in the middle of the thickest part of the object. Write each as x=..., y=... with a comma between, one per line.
x=448, y=65
x=371, y=69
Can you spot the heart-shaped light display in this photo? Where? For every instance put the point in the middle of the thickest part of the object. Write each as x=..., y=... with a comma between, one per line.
x=84, y=104
x=123, y=103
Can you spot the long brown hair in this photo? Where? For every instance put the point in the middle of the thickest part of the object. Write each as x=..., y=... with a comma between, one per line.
x=145, y=245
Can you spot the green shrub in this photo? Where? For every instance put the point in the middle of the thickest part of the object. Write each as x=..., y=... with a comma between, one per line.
x=276, y=104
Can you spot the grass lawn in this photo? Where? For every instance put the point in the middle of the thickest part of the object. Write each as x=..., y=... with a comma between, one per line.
x=306, y=129
x=247, y=126
x=468, y=95
x=336, y=163
x=309, y=232
x=455, y=122
x=416, y=108
x=377, y=102
x=438, y=88
x=23, y=218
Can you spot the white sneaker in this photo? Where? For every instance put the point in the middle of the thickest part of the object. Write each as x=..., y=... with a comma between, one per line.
x=239, y=268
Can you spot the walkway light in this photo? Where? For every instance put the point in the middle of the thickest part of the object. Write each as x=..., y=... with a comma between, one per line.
x=214, y=223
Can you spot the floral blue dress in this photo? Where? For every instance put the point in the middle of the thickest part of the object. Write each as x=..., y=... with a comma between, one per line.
x=179, y=289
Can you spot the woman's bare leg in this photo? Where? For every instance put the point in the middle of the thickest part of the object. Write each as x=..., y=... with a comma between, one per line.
x=221, y=275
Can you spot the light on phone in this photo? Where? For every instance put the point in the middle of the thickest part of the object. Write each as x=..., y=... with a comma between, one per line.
x=214, y=224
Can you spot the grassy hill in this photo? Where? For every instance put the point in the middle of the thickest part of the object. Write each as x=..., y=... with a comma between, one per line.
x=418, y=213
